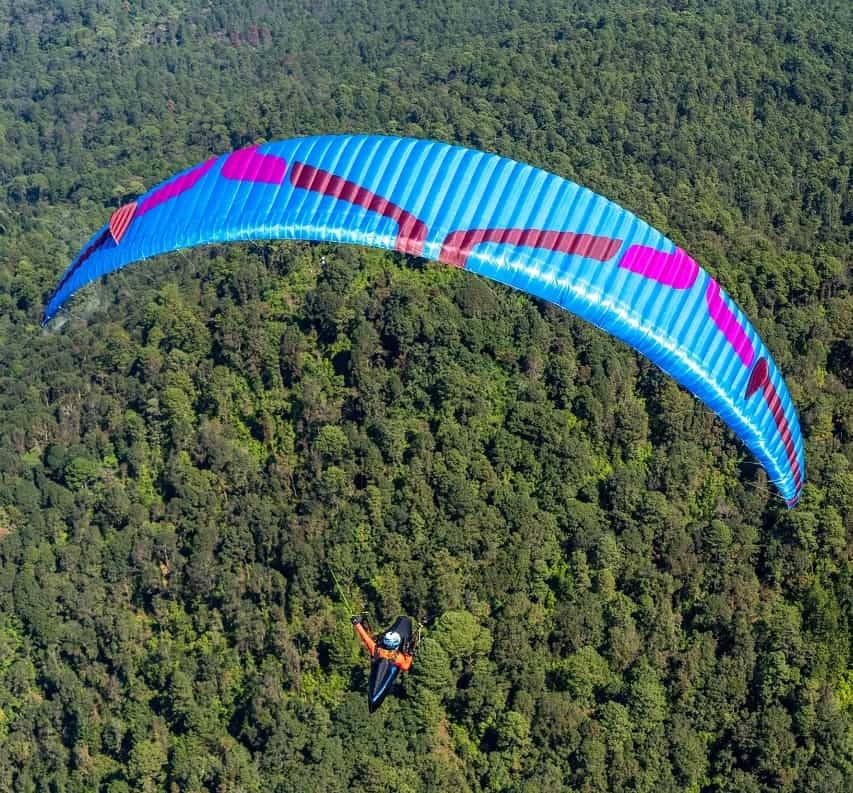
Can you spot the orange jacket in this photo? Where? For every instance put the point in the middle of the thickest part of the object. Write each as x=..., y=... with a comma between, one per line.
x=403, y=661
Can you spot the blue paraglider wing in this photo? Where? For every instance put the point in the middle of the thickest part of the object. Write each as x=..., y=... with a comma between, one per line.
x=496, y=217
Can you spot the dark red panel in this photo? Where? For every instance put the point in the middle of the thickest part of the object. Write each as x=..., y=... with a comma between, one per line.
x=411, y=232
x=757, y=378
x=457, y=245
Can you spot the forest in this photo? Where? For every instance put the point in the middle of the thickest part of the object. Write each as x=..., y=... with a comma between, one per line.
x=614, y=596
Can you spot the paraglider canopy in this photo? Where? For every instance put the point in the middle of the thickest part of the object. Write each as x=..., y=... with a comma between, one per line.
x=496, y=217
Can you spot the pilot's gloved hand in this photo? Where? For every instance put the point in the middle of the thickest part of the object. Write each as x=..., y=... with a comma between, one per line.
x=355, y=619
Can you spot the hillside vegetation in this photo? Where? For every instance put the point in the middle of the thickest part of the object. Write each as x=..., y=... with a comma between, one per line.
x=615, y=597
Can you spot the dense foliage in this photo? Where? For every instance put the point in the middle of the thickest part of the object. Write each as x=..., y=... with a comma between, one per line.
x=615, y=597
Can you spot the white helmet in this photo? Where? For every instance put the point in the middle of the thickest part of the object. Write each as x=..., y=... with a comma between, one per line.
x=391, y=640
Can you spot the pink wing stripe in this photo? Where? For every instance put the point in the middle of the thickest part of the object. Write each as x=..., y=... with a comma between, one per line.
x=458, y=245
x=411, y=231
x=251, y=166
x=727, y=322
x=674, y=269
x=175, y=188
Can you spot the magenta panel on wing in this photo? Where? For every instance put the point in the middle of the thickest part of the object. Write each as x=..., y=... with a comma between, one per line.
x=174, y=188
x=727, y=322
x=674, y=269
x=250, y=165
